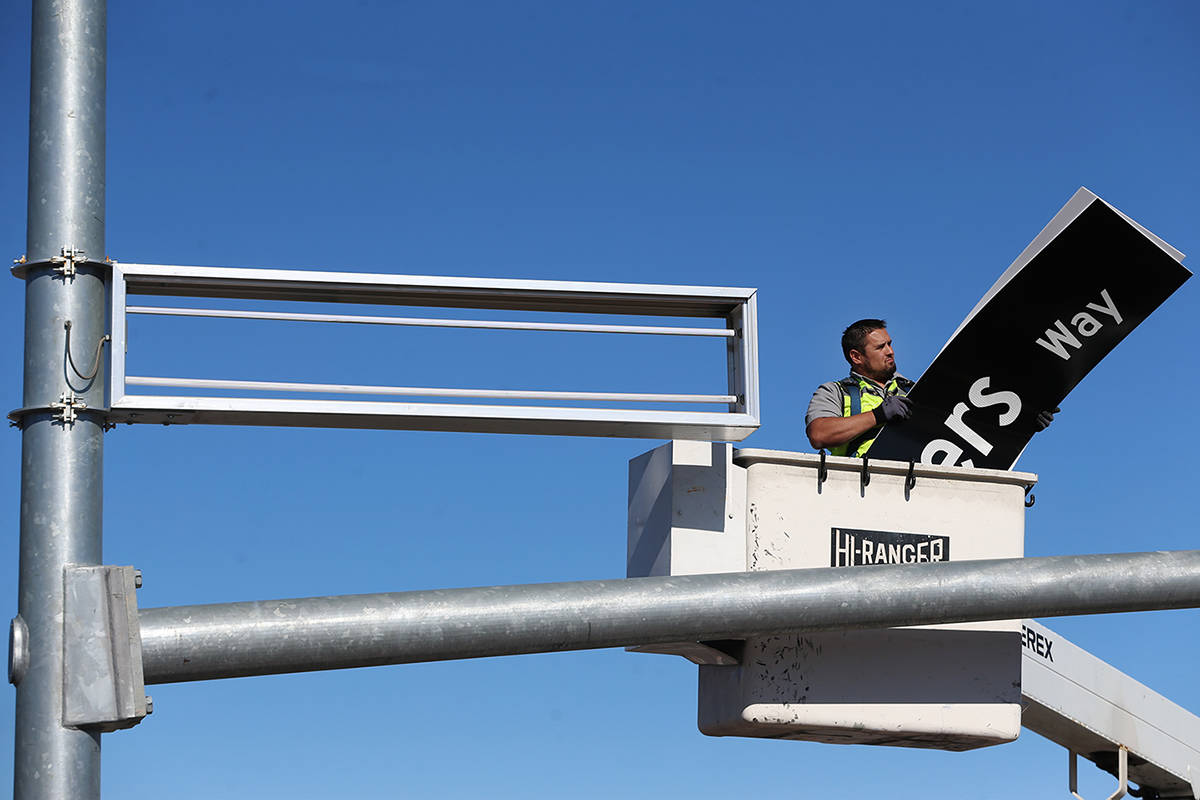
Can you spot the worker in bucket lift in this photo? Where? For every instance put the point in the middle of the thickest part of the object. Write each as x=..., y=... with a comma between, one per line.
x=845, y=416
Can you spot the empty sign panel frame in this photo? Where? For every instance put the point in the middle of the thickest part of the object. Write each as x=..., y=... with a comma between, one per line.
x=734, y=306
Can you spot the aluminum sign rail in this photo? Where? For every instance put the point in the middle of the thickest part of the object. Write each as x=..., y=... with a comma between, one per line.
x=191, y=400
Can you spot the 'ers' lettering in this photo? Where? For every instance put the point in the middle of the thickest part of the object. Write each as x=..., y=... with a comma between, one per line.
x=979, y=396
x=1059, y=339
x=1037, y=643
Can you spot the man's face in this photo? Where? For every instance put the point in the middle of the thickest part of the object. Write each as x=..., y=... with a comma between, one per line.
x=877, y=359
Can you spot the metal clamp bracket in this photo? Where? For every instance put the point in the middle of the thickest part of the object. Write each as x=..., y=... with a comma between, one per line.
x=67, y=261
x=65, y=410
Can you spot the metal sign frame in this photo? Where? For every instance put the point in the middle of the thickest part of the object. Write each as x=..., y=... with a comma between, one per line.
x=735, y=306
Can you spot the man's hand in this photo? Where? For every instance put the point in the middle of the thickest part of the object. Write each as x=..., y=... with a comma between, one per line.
x=1043, y=420
x=894, y=409
x=833, y=431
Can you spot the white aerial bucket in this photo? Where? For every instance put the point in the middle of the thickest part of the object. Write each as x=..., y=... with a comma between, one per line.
x=696, y=507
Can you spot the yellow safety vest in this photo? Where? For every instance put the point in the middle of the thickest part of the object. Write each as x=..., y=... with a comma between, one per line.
x=859, y=395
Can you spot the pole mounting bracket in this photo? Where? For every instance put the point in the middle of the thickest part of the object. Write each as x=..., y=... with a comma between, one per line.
x=67, y=261
x=104, y=687
x=65, y=410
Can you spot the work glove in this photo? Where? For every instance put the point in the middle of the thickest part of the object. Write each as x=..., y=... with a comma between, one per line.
x=1043, y=420
x=893, y=409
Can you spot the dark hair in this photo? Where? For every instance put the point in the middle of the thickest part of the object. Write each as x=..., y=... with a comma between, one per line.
x=855, y=337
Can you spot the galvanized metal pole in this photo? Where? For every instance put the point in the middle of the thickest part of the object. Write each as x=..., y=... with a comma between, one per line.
x=62, y=422
x=187, y=643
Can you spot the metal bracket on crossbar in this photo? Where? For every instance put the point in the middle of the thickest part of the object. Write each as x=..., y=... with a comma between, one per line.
x=1122, y=774
x=104, y=687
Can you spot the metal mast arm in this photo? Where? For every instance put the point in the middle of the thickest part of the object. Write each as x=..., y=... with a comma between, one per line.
x=186, y=643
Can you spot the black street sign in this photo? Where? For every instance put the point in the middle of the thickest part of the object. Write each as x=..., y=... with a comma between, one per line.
x=1089, y=279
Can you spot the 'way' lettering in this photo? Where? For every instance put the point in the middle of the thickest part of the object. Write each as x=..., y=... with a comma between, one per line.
x=1060, y=340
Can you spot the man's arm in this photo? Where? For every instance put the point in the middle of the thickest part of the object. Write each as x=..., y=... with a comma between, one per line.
x=829, y=432
x=826, y=427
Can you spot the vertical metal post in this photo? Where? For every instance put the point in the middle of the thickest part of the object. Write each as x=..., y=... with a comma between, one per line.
x=62, y=425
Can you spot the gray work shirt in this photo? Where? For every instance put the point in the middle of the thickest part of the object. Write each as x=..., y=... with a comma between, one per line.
x=827, y=400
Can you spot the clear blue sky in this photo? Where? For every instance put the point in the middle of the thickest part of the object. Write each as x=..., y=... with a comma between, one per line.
x=848, y=160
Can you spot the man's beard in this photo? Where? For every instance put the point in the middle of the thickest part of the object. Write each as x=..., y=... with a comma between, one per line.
x=883, y=376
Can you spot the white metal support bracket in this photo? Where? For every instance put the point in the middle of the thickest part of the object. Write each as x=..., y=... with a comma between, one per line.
x=1122, y=774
